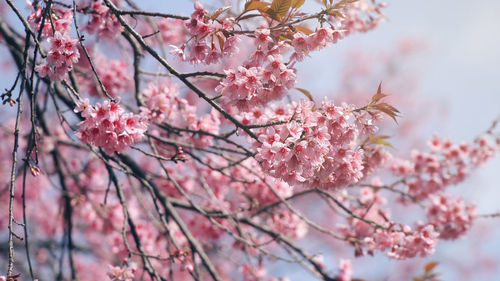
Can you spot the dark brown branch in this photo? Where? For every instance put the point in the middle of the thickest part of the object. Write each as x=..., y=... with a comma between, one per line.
x=149, y=14
x=169, y=208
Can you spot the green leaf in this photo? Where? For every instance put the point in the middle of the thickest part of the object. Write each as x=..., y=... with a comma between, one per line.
x=306, y=93
x=379, y=140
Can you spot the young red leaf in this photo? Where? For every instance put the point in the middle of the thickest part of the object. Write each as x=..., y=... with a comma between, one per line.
x=256, y=5
x=249, y=16
x=306, y=93
x=218, y=12
x=379, y=140
x=387, y=109
x=379, y=95
x=343, y=3
x=281, y=7
x=303, y=29
x=221, y=42
x=430, y=266
x=297, y=3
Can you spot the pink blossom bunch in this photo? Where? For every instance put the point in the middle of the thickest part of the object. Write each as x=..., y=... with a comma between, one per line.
x=107, y=126
x=406, y=244
x=262, y=78
x=319, y=147
x=114, y=75
x=61, y=57
x=209, y=38
x=370, y=209
x=102, y=21
x=346, y=271
x=116, y=273
x=253, y=272
x=206, y=229
x=446, y=164
x=162, y=104
x=267, y=45
x=359, y=16
x=160, y=101
x=303, y=44
x=60, y=20
x=252, y=87
x=401, y=242
x=397, y=242
x=260, y=191
x=271, y=113
x=450, y=216
x=172, y=31
x=288, y=224
x=253, y=183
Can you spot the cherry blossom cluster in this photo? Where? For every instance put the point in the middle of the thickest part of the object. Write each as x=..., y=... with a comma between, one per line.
x=117, y=273
x=244, y=181
x=61, y=57
x=59, y=21
x=107, y=126
x=102, y=21
x=303, y=44
x=370, y=208
x=171, y=31
x=264, y=76
x=249, y=87
x=260, y=190
x=114, y=75
x=204, y=31
x=346, y=271
x=162, y=104
x=159, y=101
x=374, y=230
x=318, y=147
x=405, y=243
x=359, y=16
x=446, y=164
x=288, y=223
x=450, y=216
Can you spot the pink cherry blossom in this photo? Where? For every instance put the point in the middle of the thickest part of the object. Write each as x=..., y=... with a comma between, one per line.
x=107, y=126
